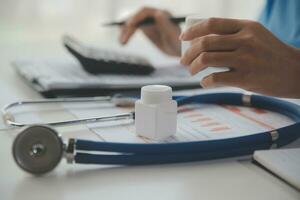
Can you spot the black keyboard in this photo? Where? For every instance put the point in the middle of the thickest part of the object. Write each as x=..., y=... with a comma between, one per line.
x=103, y=61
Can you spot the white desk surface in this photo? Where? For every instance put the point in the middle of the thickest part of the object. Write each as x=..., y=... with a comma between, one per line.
x=225, y=179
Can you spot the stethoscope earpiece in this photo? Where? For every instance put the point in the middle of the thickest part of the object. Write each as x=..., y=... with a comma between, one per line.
x=38, y=149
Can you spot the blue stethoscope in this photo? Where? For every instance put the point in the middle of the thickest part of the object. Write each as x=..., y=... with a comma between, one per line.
x=39, y=148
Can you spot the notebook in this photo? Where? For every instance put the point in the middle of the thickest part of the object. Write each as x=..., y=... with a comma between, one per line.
x=285, y=163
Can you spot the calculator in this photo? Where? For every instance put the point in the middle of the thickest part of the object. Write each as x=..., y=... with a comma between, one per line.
x=103, y=61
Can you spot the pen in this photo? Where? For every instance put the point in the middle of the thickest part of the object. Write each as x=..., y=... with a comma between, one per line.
x=147, y=21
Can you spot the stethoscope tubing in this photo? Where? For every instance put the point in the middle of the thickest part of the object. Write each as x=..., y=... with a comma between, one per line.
x=143, y=159
x=117, y=153
x=285, y=134
x=176, y=147
x=184, y=147
x=139, y=154
x=215, y=98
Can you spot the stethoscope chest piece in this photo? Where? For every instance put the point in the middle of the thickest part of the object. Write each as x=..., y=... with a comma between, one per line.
x=38, y=149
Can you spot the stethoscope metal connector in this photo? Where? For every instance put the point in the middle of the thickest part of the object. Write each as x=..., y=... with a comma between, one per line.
x=70, y=150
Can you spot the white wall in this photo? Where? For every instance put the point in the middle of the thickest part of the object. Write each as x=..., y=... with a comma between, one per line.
x=48, y=19
x=208, y=8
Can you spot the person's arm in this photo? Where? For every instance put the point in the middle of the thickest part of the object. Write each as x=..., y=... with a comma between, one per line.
x=259, y=61
x=163, y=33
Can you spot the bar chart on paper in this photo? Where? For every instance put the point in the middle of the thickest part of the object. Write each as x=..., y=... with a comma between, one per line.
x=195, y=122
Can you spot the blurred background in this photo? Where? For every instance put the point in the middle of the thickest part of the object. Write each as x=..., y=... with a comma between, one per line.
x=46, y=20
x=34, y=28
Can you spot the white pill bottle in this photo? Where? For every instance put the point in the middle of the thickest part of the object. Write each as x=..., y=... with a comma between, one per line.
x=156, y=113
x=185, y=45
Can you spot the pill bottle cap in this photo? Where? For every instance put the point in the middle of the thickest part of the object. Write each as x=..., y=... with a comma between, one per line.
x=156, y=94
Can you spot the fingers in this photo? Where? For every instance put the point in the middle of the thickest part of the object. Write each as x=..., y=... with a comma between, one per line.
x=163, y=24
x=168, y=33
x=162, y=19
x=141, y=15
x=212, y=59
x=219, y=26
x=209, y=43
x=152, y=34
x=132, y=24
x=229, y=78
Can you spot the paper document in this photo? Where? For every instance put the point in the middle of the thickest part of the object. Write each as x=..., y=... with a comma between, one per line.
x=51, y=74
x=195, y=122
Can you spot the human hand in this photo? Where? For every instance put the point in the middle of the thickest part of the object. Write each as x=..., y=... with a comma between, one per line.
x=163, y=33
x=259, y=62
